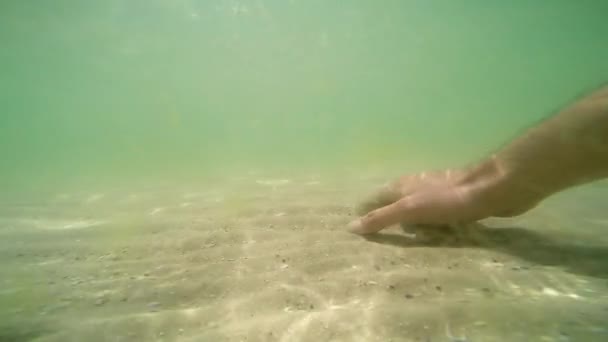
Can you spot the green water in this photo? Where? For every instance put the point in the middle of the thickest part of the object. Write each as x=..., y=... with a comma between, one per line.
x=120, y=89
x=135, y=119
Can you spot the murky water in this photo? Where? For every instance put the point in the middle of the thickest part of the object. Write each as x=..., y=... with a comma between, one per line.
x=184, y=170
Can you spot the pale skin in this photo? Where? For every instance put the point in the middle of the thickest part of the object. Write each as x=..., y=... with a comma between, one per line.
x=566, y=150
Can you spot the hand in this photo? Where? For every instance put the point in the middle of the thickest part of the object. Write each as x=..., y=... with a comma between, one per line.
x=429, y=198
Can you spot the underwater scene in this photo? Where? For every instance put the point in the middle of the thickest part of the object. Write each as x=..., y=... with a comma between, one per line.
x=188, y=170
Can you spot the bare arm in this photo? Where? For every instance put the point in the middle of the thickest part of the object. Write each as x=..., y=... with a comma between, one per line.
x=568, y=149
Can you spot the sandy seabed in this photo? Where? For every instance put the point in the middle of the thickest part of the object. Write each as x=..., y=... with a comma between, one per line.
x=257, y=258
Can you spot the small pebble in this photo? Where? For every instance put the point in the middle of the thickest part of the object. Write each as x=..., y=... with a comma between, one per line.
x=153, y=305
x=438, y=288
x=550, y=292
x=409, y=296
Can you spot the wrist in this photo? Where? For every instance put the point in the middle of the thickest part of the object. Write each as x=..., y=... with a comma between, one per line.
x=499, y=191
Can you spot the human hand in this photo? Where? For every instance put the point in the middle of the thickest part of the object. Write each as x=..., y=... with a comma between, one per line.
x=428, y=198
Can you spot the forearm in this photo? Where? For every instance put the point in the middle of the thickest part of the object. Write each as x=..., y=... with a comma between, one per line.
x=568, y=149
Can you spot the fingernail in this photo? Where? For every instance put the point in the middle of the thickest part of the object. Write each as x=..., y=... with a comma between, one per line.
x=356, y=227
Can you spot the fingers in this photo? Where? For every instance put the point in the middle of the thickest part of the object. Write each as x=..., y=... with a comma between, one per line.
x=381, y=218
x=386, y=195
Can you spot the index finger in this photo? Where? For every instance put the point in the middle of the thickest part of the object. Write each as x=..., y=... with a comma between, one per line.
x=383, y=217
x=386, y=195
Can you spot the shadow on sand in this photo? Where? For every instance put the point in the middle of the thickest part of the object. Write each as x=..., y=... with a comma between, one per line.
x=535, y=247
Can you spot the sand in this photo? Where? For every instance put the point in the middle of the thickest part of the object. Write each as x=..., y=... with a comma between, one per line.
x=257, y=258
